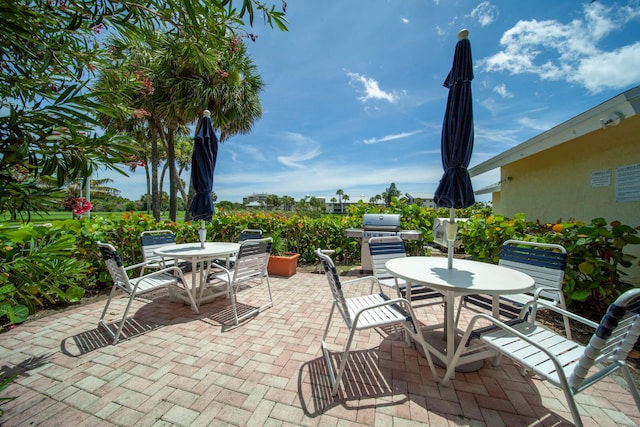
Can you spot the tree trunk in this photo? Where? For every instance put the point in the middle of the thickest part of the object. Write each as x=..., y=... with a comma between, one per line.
x=155, y=195
x=173, y=174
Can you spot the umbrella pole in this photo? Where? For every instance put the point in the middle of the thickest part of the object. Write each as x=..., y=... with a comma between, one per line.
x=452, y=232
x=202, y=233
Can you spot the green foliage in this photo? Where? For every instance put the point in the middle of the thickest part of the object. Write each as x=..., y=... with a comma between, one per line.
x=50, y=265
x=593, y=276
x=595, y=252
x=39, y=267
x=53, y=113
x=4, y=383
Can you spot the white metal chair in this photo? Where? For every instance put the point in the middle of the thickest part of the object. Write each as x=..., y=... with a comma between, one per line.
x=150, y=240
x=163, y=278
x=555, y=358
x=382, y=249
x=250, y=265
x=246, y=234
x=365, y=312
x=545, y=262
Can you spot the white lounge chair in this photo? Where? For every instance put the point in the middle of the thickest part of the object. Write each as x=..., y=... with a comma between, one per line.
x=250, y=265
x=382, y=249
x=555, y=358
x=365, y=312
x=545, y=262
x=163, y=278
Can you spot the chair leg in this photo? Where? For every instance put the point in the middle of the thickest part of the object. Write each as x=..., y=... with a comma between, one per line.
x=572, y=405
x=631, y=384
x=343, y=362
x=233, y=304
x=118, y=331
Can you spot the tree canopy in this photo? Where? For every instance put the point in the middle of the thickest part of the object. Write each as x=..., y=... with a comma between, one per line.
x=50, y=52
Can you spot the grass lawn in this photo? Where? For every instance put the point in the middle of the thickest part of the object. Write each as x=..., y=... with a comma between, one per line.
x=40, y=218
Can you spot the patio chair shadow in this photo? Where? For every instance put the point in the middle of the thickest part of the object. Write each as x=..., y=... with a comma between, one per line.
x=223, y=314
x=157, y=312
x=364, y=379
x=88, y=341
x=369, y=376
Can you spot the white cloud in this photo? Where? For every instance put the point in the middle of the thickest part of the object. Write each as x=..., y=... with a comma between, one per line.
x=569, y=52
x=391, y=137
x=404, y=20
x=610, y=70
x=249, y=151
x=371, y=88
x=501, y=90
x=485, y=13
x=537, y=125
x=303, y=149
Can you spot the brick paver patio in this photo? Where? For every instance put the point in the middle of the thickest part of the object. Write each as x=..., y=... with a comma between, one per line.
x=185, y=369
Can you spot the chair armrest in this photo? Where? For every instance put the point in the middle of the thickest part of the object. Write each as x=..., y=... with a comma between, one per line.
x=138, y=265
x=545, y=304
x=402, y=301
x=224, y=270
x=497, y=324
x=362, y=279
x=164, y=270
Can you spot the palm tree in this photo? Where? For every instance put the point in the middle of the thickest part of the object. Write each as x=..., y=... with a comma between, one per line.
x=340, y=193
x=222, y=79
x=288, y=202
x=345, y=197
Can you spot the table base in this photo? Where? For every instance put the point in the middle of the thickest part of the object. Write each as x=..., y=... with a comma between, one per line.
x=437, y=340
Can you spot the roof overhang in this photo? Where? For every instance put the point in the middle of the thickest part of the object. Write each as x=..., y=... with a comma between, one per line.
x=625, y=105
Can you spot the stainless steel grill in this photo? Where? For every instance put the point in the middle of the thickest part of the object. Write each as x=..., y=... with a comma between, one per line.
x=379, y=225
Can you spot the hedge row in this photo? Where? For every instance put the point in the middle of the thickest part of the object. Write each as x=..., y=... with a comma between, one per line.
x=58, y=263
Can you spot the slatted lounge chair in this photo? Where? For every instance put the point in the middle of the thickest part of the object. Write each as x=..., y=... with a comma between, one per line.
x=150, y=240
x=168, y=278
x=382, y=249
x=571, y=366
x=545, y=262
x=250, y=265
x=365, y=312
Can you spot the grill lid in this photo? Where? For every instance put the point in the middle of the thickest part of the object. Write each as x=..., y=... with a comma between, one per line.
x=381, y=222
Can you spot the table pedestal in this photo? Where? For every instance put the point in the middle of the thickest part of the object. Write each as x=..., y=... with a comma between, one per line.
x=437, y=340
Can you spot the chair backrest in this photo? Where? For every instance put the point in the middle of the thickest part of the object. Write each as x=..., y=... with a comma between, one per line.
x=614, y=338
x=252, y=259
x=382, y=249
x=544, y=262
x=151, y=240
x=250, y=233
x=114, y=266
x=334, y=284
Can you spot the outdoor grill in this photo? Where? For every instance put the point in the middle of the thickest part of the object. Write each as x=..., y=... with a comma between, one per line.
x=379, y=225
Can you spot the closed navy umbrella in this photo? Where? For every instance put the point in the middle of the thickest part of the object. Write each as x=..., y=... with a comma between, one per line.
x=203, y=162
x=455, y=190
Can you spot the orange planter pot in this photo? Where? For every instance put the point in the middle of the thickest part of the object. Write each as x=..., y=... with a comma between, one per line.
x=283, y=265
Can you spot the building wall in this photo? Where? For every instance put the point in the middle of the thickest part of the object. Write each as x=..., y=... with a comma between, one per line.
x=555, y=185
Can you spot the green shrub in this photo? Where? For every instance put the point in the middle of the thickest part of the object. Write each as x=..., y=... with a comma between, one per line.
x=593, y=278
x=40, y=266
x=44, y=266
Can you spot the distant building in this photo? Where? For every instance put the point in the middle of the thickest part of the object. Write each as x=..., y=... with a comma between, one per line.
x=255, y=201
x=425, y=199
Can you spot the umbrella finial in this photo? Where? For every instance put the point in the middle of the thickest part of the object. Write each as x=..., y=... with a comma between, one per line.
x=463, y=34
x=206, y=113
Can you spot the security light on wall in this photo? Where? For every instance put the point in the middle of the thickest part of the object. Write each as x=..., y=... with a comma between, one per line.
x=614, y=120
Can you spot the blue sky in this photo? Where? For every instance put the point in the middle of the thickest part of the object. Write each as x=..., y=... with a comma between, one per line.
x=354, y=97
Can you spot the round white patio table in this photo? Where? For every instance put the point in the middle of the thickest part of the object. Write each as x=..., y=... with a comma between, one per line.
x=466, y=277
x=196, y=254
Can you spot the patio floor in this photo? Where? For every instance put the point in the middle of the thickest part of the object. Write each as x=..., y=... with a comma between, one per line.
x=186, y=369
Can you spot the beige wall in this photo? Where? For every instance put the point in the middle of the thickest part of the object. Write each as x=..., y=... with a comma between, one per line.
x=555, y=185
